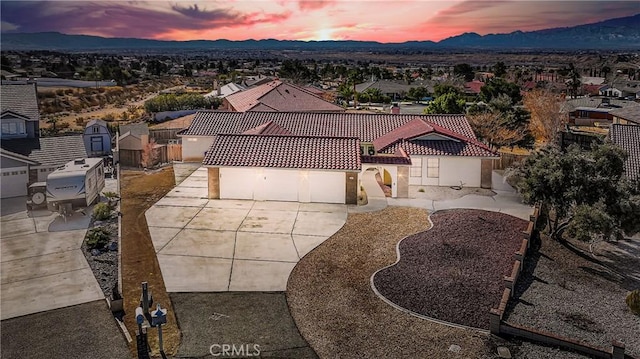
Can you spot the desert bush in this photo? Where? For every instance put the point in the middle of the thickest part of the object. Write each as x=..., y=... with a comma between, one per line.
x=633, y=301
x=102, y=211
x=110, y=194
x=97, y=238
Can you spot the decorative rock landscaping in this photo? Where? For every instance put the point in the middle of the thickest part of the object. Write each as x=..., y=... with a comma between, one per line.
x=454, y=271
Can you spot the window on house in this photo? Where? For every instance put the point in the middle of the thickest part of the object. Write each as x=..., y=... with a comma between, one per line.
x=12, y=128
x=23, y=172
x=96, y=129
x=43, y=170
x=433, y=167
x=416, y=167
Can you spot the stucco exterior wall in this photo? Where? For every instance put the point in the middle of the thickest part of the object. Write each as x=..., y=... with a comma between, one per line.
x=454, y=170
x=193, y=148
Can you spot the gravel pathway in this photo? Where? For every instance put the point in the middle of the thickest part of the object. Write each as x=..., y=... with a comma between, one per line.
x=567, y=294
x=331, y=300
x=454, y=271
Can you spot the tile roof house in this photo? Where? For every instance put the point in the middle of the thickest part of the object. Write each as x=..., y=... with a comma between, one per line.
x=319, y=157
x=277, y=96
x=628, y=138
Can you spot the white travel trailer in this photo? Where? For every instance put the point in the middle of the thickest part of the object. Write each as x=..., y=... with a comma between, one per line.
x=77, y=184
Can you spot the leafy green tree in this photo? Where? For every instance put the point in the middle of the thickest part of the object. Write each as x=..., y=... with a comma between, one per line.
x=441, y=89
x=584, y=193
x=447, y=103
x=417, y=93
x=499, y=69
x=176, y=102
x=496, y=86
x=464, y=70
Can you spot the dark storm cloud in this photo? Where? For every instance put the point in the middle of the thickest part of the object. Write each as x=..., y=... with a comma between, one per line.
x=121, y=19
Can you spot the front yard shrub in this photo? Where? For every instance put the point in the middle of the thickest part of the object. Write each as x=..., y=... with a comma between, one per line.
x=633, y=301
x=102, y=211
x=97, y=238
x=110, y=194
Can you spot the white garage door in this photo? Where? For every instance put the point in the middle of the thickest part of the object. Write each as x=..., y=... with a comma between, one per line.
x=237, y=183
x=327, y=187
x=277, y=185
x=14, y=182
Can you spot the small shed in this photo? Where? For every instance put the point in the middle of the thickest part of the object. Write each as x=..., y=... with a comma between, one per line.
x=97, y=138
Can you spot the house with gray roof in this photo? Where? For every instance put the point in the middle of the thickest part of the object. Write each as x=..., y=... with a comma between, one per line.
x=627, y=115
x=26, y=157
x=321, y=157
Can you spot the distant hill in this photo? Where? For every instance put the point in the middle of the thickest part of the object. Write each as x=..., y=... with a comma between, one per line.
x=620, y=33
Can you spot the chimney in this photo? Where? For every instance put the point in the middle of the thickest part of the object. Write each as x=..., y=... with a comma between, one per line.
x=395, y=109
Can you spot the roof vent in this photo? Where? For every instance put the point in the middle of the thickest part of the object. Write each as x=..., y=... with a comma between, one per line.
x=78, y=161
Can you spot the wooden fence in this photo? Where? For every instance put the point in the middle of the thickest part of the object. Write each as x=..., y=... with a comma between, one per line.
x=506, y=160
x=164, y=154
x=584, y=140
x=498, y=326
x=164, y=135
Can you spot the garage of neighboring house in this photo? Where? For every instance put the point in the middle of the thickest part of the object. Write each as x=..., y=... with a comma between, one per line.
x=284, y=168
x=14, y=174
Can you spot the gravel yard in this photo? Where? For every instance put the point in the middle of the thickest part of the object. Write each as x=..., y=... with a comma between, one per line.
x=454, y=271
x=571, y=295
x=337, y=312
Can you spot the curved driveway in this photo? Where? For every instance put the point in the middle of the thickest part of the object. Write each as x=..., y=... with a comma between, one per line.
x=233, y=245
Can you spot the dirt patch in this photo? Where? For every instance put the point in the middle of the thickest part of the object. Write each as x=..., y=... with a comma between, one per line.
x=337, y=312
x=564, y=290
x=454, y=271
x=140, y=190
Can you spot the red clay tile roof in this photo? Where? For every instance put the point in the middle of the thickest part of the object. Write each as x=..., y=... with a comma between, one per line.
x=442, y=148
x=327, y=153
x=267, y=128
x=473, y=86
x=366, y=127
x=279, y=96
x=414, y=129
x=628, y=138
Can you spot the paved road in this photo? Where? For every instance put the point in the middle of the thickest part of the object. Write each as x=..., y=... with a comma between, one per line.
x=77, y=332
x=241, y=319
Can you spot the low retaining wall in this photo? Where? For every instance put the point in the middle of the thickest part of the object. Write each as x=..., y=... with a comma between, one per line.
x=498, y=326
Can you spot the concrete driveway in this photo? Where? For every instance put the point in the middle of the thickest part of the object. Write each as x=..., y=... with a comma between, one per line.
x=233, y=245
x=42, y=265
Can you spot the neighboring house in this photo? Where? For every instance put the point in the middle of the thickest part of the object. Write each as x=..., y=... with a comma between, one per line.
x=277, y=96
x=319, y=157
x=20, y=117
x=473, y=88
x=589, y=111
x=45, y=155
x=628, y=138
x=97, y=138
x=626, y=89
x=395, y=89
x=626, y=116
x=225, y=90
x=14, y=170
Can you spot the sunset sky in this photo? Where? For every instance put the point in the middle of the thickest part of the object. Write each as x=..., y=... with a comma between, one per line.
x=378, y=20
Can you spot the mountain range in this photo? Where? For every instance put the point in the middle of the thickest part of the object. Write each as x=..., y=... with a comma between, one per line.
x=619, y=33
